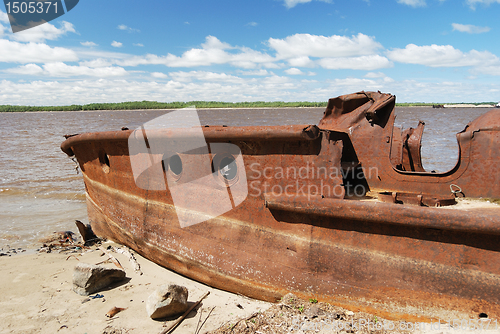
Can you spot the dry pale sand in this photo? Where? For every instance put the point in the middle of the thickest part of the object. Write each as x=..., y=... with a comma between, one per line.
x=36, y=297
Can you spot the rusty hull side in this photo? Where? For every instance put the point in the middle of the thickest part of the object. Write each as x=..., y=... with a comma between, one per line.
x=364, y=256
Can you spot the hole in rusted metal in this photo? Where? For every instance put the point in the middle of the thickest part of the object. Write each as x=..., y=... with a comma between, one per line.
x=483, y=315
x=104, y=160
x=175, y=164
x=228, y=168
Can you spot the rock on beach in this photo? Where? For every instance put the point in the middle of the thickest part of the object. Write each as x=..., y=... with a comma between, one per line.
x=89, y=278
x=168, y=300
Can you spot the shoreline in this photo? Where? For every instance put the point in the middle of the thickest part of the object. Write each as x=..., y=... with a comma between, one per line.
x=445, y=106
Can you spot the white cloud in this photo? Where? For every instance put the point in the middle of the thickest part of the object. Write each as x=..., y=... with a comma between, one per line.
x=252, y=24
x=213, y=52
x=43, y=32
x=204, y=76
x=441, y=56
x=260, y=72
x=413, y=3
x=488, y=69
x=81, y=91
x=159, y=75
x=28, y=69
x=99, y=62
x=124, y=27
x=138, y=44
x=374, y=75
x=294, y=71
x=473, y=3
x=334, y=52
x=469, y=28
x=89, y=44
x=4, y=17
x=293, y=3
x=14, y=52
x=117, y=90
x=300, y=45
x=62, y=70
x=116, y=44
x=212, y=42
x=303, y=61
x=368, y=63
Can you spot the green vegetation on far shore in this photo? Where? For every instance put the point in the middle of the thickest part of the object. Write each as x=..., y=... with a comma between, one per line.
x=161, y=105
x=177, y=105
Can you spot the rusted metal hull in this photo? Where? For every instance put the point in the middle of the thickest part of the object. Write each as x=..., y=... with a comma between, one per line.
x=313, y=238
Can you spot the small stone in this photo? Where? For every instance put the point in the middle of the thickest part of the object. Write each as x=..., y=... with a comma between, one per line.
x=313, y=312
x=288, y=299
x=168, y=300
x=89, y=278
x=349, y=313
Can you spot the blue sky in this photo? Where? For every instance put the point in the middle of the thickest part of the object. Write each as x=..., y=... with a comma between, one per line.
x=259, y=50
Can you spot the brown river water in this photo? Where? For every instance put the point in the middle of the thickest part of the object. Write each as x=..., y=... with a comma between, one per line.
x=41, y=192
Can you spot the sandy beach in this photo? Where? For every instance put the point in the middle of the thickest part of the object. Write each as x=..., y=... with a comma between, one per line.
x=37, y=297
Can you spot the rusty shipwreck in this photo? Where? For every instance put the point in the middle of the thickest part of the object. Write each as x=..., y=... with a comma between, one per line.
x=342, y=211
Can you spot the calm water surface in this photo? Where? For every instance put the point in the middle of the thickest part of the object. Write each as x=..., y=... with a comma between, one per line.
x=40, y=191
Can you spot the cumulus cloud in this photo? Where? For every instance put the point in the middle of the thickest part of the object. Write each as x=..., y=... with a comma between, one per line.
x=99, y=62
x=89, y=44
x=4, y=18
x=60, y=69
x=37, y=92
x=413, y=3
x=358, y=52
x=159, y=75
x=126, y=28
x=368, y=63
x=294, y=71
x=293, y=3
x=489, y=69
x=116, y=44
x=469, y=28
x=306, y=45
x=303, y=61
x=473, y=3
x=204, y=76
x=441, y=56
x=43, y=32
x=138, y=44
x=15, y=52
x=374, y=75
x=213, y=52
x=260, y=72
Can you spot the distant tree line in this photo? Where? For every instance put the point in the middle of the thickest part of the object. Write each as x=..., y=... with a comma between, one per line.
x=161, y=105
x=178, y=105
